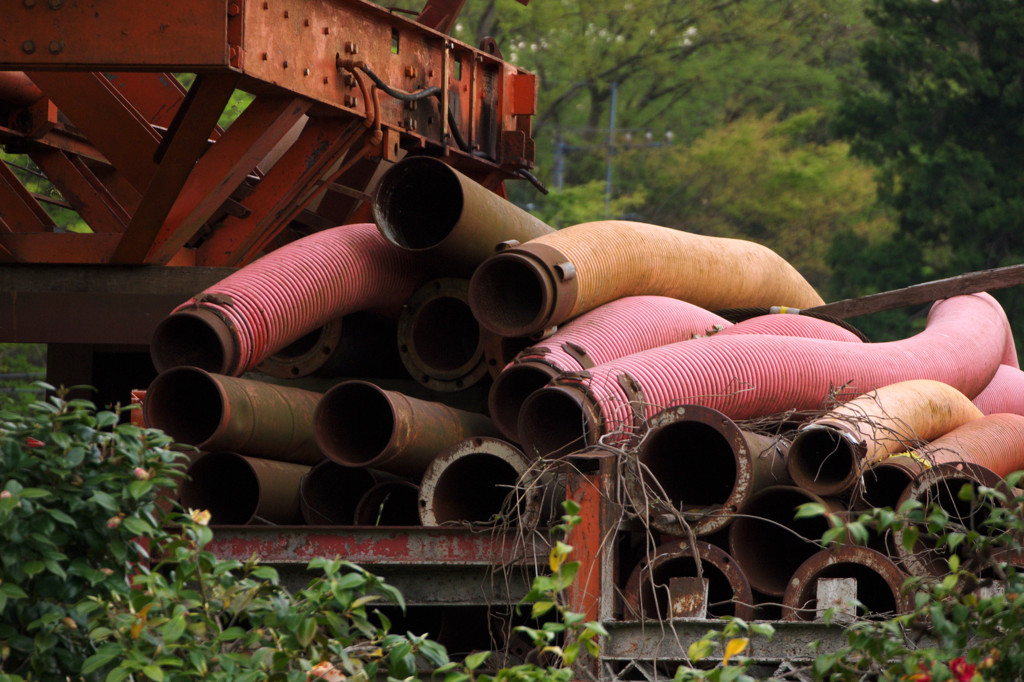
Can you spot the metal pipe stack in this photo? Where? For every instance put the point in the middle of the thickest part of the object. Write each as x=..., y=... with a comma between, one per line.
x=438, y=368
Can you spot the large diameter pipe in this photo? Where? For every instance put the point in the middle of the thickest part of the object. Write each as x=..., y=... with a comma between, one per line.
x=884, y=481
x=425, y=206
x=1005, y=393
x=879, y=583
x=746, y=376
x=829, y=453
x=706, y=466
x=613, y=330
x=237, y=490
x=529, y=288
x=940, y=485
x=439, y=340
x=357, y=345
x=389, y=503
x=786, y=324
x=648, y=593
x=237, y=323
x=214, y=412
x=480, y=480
x=361, y=425
x=329, y=493
x=770, y=543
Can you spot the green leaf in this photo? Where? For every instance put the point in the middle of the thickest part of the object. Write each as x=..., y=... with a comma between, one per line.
x=75, y=456
x=135, y=525
x=103, y=655
x=474, y=661
x=700, y=649
x=139, y=488
x=154, y=673
x=13, y=591
x=265, y=573
x=910, y=535
x=174, y=628
x=31, y=568
x=104, y=500
x=306, y=631
x=542, y=607
x=60, y=516
x=809, y=510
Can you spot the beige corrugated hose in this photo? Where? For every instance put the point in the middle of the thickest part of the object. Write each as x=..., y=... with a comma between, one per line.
x=534, y=286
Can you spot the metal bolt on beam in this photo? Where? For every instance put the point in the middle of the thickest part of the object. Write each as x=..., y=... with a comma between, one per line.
x=28, y=47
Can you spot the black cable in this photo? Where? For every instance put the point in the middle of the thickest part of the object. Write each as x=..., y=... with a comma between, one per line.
x=398, y=94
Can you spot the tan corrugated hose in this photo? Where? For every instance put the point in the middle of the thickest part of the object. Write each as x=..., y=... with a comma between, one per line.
x=539, y=284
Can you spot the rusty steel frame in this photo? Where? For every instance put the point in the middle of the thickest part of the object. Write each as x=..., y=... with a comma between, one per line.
x=144, y=163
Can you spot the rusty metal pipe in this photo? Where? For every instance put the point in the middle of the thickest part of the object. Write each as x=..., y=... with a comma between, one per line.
x=214, y=412
x=18, y=89
x=361, y=425
x=941, y=485
x=769, y=543
x=426, y=206
x=330, y=493
x=473, y=481
x=647, y=590
x=828, y=454
x=238, y=490
x=357, y=345
x=439, y=340
x=883, y=482
x=389, y=503
x=879, y=583
x=707, y=466
x=540, y=284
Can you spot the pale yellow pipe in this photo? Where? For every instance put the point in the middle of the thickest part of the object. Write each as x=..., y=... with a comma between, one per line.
x=828, y=453
x=534, y=286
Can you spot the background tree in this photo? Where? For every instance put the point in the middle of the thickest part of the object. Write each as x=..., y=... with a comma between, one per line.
x=944, y=121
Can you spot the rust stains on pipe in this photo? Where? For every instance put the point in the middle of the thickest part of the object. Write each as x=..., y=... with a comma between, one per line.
x=359, y=424
x=389, y=503
x=526, y=289
x=940, y=485
x=238, y=490
x=439, y=340
x=828, y=454
x=557, y=421
x=501, y=350
x=329, y=493
x=879, y=583
x=647, y=593
x=706, y=465
x=511, y=389
x=769, y=543
x=359, y=344
x=214, y=412
x=473, y=481
x=883, y=482
x=195, y=337
x=426, y=206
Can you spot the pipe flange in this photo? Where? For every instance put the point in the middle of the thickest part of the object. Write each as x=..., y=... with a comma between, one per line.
x=439, y=340
x=305, y=355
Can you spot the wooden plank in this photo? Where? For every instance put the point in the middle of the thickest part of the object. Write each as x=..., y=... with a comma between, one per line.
x=926, y=292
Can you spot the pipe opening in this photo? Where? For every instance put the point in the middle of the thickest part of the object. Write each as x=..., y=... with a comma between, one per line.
x=329, y=493
x=418, y=203
x=508, y=296
x=446, y=335
x=211, y=475
x=692, y=462
x=553, y=423
x=185, y=403
x=769, y=543
x=189, y=340
x=510, y=390
x=299, y=347
x=943, y=491
x=654, y=594
x=473, y=488
x=882, y=485
x=355, y=423
x=822, y=460
x=391, y=503
x=875, y=594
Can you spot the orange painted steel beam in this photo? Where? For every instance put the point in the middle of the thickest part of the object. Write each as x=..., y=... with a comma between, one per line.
x=223, y=168
x=320, y=145
x=58, y=247
x=82, y=190
x=181, y=149
x=19, y=210
x=107, y=119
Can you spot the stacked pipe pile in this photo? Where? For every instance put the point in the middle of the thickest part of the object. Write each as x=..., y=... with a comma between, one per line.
x=439, y=366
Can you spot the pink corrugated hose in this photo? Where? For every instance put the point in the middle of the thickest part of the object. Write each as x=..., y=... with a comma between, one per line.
x=622, y=327
x=782, y=324
x=751, y=376
x=240, y=321
x=1005, y=393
